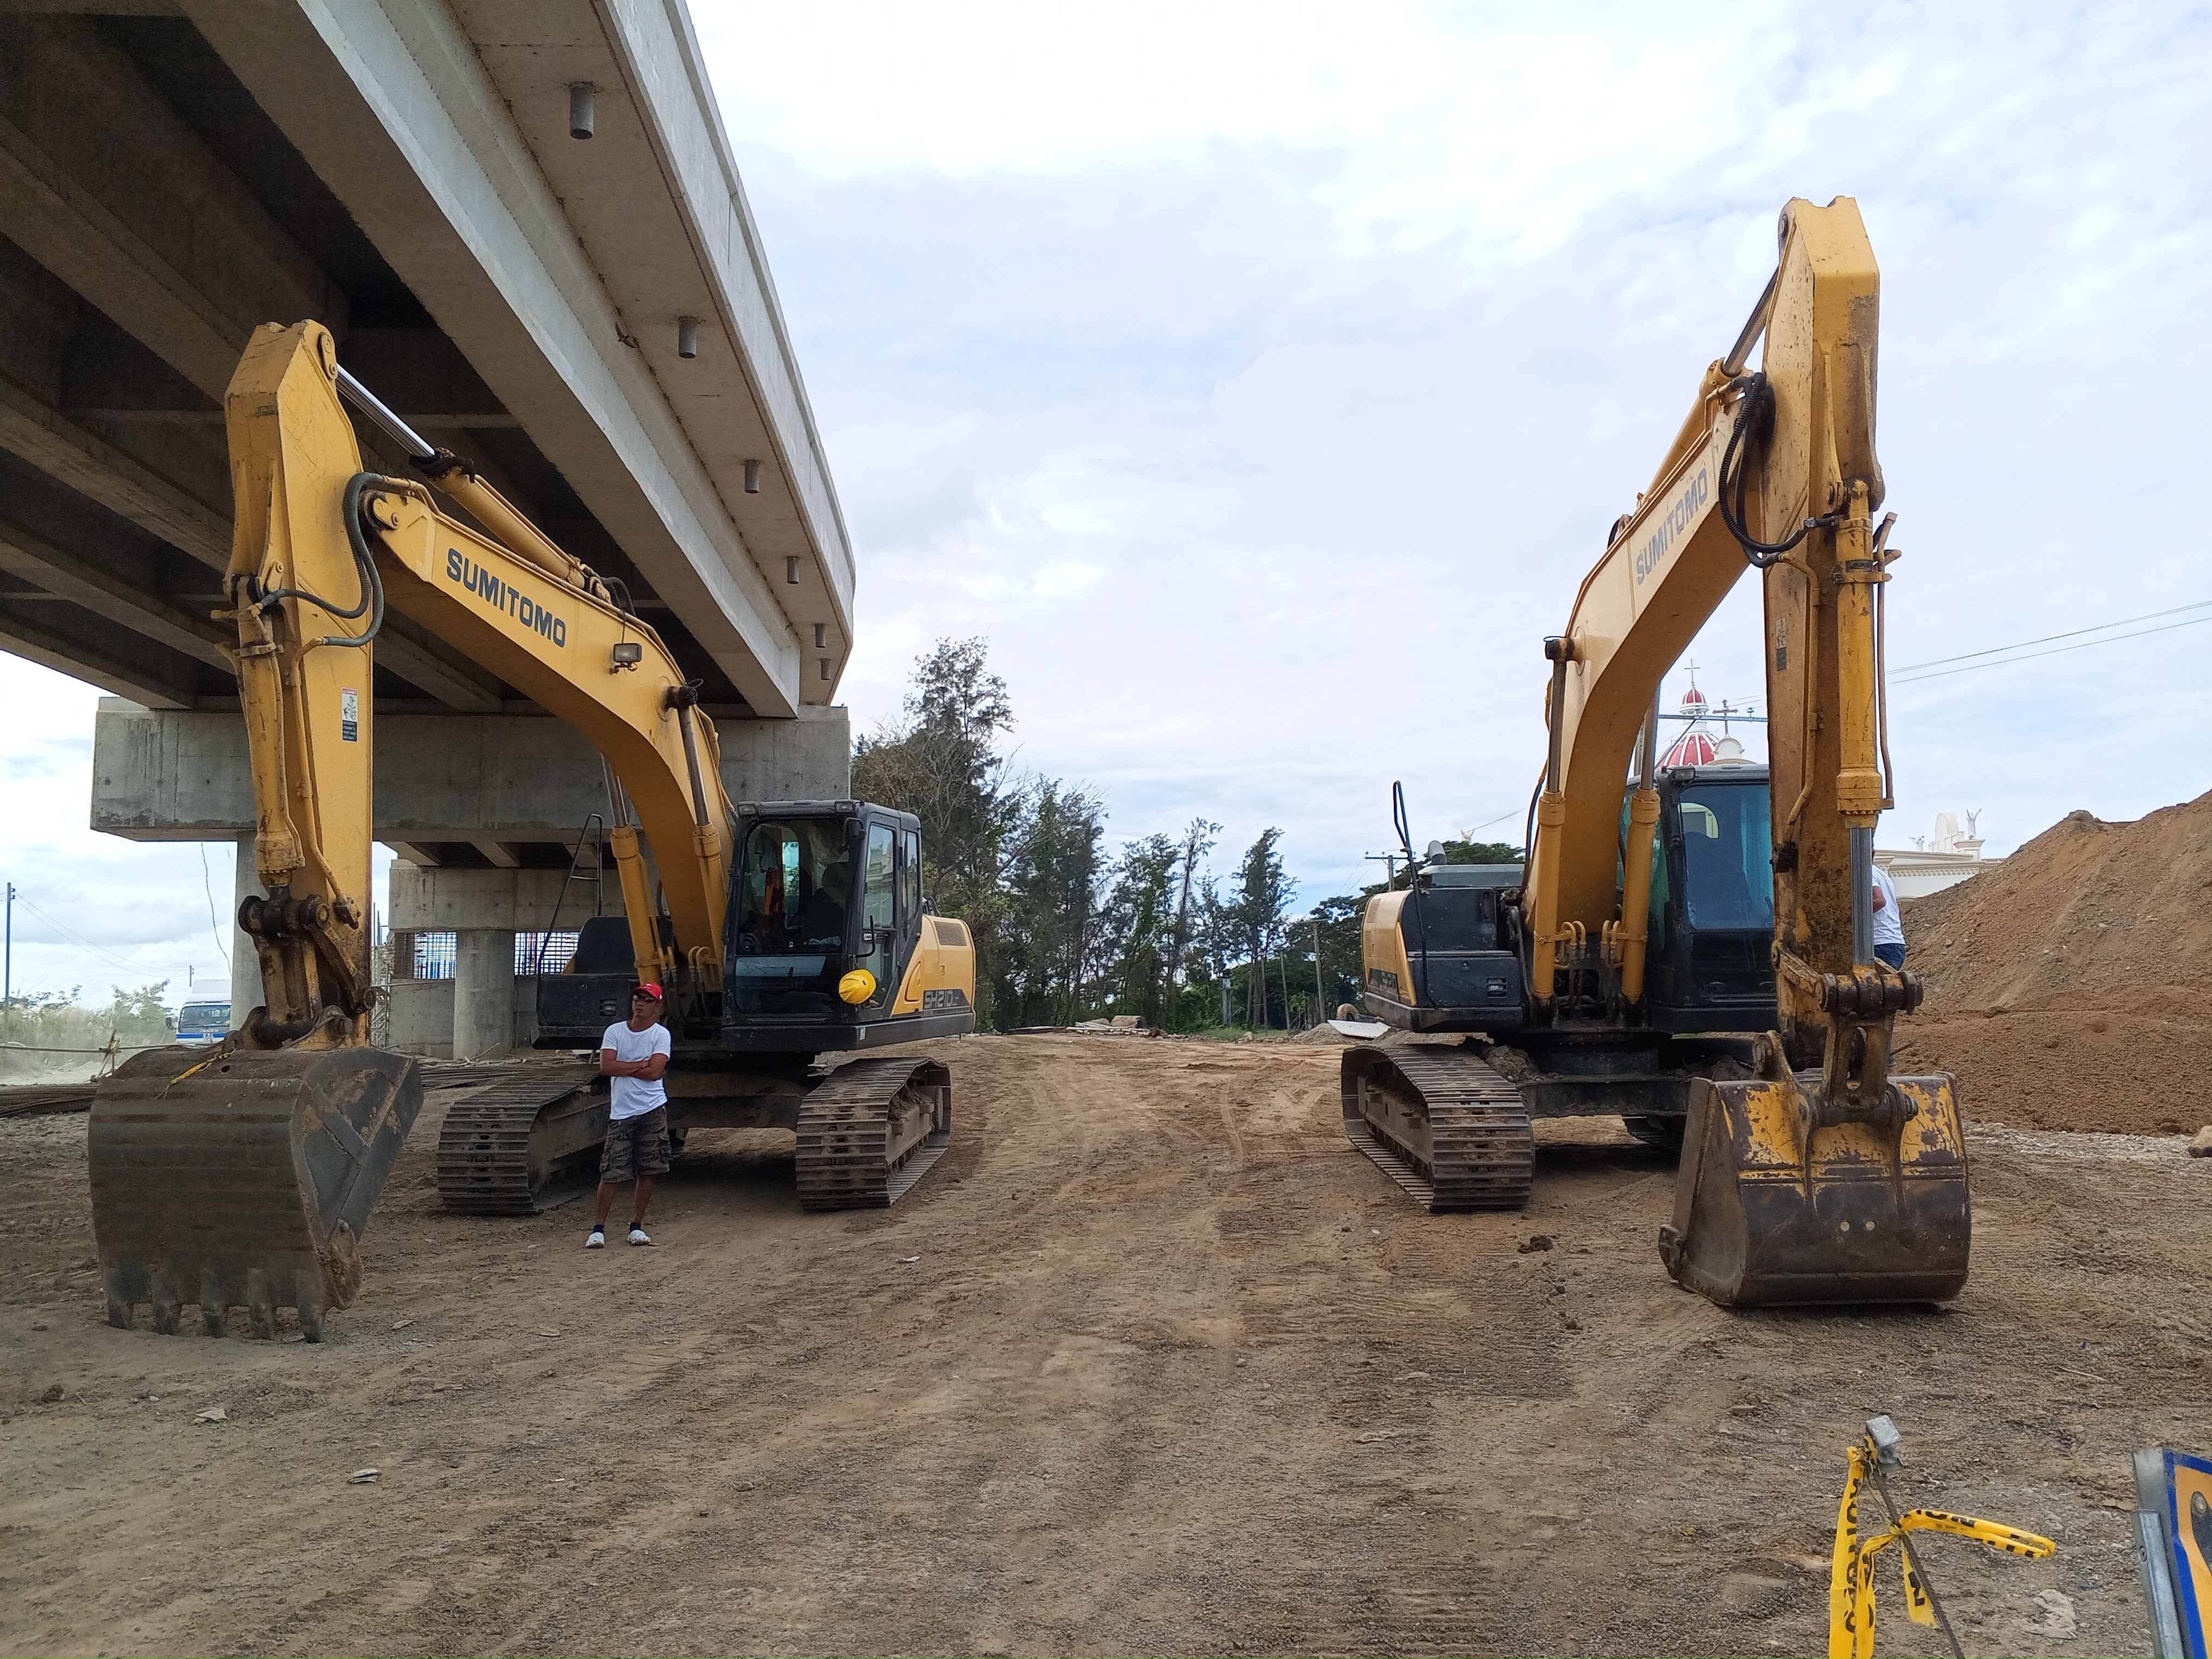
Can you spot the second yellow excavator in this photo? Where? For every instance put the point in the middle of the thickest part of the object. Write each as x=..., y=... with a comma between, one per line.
x=784, y=932
x=1693, y=948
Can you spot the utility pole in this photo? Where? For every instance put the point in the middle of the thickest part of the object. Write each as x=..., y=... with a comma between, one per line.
x=8, y=971
x=1320, y=1011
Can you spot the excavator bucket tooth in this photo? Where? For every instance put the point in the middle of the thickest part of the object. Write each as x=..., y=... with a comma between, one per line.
x=243, y=1179
x=1863, y=1213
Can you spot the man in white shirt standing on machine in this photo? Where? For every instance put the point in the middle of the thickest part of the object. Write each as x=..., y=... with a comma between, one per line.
x=634, y=1055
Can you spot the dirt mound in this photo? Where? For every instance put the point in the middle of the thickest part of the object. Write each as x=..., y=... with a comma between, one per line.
x=2070, y=987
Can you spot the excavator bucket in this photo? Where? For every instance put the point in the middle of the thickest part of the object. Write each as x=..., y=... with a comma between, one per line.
x=1853, y=1212
x=243, y=1178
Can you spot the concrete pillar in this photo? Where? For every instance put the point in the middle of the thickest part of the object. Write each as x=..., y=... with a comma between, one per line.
x=245, y=990
x=483, y=992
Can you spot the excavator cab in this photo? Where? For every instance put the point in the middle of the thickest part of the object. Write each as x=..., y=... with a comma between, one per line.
x=828, y=945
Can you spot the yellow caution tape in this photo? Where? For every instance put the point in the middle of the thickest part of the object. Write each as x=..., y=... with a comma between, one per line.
x=1851, y=1576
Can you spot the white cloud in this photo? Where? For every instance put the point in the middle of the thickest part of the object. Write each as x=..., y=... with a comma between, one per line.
x=1336, y=347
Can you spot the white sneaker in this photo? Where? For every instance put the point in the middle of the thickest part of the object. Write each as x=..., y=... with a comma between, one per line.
x=637, y=1235
x=597, y=1240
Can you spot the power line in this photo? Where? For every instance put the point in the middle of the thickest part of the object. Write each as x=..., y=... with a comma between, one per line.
x=207, y=884
x=2071, y=633
x=2056, y=650
x=98, y=950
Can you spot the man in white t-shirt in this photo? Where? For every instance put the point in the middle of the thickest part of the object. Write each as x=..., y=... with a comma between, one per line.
x=1889, y=925
x=634, y=1055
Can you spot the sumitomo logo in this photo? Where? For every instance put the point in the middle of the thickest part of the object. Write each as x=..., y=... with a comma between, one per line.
x=1668, y=530
x=467, y=573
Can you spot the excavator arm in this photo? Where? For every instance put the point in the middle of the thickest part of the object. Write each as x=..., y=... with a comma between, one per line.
x=1774, y=469
x=246, y=1180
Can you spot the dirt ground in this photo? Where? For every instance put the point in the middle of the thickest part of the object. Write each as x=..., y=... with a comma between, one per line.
x=1151, y=1363
x=2067, y=985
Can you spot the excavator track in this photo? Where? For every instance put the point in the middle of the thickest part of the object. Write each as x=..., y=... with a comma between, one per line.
x=524, y=1143
x=1442, y=1124
x=872, y=1131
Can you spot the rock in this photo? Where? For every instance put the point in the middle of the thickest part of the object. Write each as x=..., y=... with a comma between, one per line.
x=51, y=1396
x=213, y=1415
x=363, y=1477
x=2201, y=1146
x=2055, y=1617
x=1536, y=1242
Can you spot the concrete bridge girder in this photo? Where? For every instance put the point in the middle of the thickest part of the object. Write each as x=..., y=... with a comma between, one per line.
x=514, y=791
x=554, y=270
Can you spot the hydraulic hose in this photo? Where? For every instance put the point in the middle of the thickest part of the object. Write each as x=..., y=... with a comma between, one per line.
x=1755, y=420
x=372, y=585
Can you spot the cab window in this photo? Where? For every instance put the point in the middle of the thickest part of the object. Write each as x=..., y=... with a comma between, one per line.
x=878, y=903
x=910, y=876
x=1727, y=873
x=794, y=879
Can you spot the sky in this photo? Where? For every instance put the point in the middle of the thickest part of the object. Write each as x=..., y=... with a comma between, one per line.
x=1261, y=381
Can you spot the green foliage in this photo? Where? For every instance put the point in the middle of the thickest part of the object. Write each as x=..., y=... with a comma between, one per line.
x=1064, y=931
x=1481, y=852
x=941, y=763
x=56, y=1034
x=1051, y=931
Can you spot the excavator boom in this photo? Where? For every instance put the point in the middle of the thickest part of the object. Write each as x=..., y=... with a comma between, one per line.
x=1809, y=1173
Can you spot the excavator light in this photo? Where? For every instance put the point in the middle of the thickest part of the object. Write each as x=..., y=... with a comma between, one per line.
x=857, y=986
x=628, y=654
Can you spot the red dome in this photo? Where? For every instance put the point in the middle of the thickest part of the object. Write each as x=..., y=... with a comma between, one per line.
x=1693, y=698
x=1692, y=748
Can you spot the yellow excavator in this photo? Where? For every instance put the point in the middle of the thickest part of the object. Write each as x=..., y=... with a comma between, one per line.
x=1693, y=948
x=783, y=932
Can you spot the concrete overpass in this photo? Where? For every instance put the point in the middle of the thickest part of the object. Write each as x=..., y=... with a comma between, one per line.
x=412, y=173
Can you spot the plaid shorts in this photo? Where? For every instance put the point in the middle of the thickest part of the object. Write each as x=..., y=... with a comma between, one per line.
x=635, y=1147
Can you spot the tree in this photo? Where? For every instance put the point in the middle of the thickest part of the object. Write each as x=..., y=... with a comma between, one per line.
x=1139, y=915
x=1050, y=906
x=1263, y=895
x=1198, y=841
x=941, y=763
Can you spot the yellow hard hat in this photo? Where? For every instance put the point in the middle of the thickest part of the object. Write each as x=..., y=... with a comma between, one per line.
x=857, y=986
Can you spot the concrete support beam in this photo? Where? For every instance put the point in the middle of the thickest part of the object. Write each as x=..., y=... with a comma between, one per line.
x=39, y=562
x=502, y=854
x=123, y=672
x=431, y=901
x=483, y=993
x=246, y=990
x=168, y=776
x=96, y=470
x=392, y=106
x=158, y=233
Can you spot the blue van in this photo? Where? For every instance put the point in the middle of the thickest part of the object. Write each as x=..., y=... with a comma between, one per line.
x=204, y=1022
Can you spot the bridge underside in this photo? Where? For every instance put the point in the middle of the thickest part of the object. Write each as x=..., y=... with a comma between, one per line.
x=173, y=175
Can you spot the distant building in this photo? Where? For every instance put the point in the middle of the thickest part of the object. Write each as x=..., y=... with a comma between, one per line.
x=1695, y=747
x=1937, y=861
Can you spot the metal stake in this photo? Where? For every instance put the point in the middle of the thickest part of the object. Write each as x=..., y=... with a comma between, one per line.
x=1882, y=1453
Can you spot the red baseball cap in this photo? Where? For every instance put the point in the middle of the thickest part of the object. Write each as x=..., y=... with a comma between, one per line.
x=647, y=989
